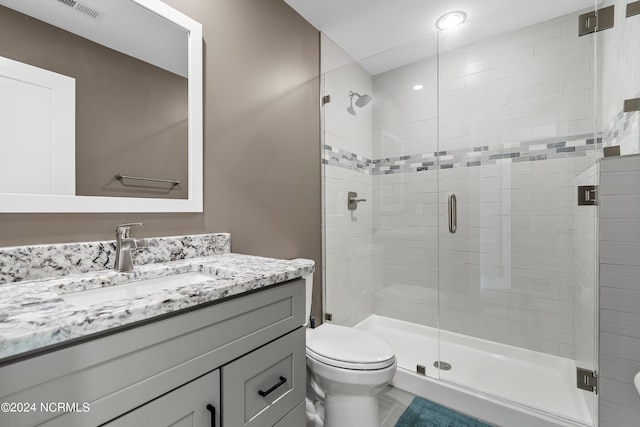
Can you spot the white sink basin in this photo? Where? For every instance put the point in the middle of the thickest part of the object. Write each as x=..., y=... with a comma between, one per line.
x=637, y=381
x=135, y=289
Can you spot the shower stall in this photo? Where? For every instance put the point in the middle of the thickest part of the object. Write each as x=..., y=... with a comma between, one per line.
x=468, y=251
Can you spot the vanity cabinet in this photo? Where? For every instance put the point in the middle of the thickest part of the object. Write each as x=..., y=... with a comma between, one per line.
x=230, y=356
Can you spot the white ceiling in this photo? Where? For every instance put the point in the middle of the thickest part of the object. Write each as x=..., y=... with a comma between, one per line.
x=391, y=33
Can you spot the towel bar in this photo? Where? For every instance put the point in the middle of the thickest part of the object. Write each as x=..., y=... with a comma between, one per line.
x=120, y=177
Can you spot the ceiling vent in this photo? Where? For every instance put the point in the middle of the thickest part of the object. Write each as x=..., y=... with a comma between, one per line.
x=87, y=11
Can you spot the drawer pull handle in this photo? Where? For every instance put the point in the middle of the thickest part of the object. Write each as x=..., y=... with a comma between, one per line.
x=212, y=409
x=265, y=393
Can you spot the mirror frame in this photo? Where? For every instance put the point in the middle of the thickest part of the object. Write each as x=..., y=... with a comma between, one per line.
x=37, y=203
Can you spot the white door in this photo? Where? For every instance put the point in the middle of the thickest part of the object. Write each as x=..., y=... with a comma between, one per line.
x=37, y=128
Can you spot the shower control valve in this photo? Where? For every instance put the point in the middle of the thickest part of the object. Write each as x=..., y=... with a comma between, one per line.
x=352, y=200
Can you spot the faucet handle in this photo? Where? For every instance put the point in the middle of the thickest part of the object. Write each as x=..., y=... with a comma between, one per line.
x=124, y=229
x=141, y=244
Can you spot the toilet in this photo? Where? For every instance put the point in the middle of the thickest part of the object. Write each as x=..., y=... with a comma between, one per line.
x=346, y=369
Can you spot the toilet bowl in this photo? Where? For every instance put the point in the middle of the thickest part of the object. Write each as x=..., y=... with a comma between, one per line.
x=346, y=369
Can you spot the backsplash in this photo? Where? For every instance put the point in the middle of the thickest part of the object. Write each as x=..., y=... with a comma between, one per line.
x=20, y=263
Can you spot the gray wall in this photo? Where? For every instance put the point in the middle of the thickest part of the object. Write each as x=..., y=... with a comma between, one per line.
x=619, y=290
x=261, y=141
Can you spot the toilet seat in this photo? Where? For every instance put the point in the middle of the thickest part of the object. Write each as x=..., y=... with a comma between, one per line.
x=348, y=348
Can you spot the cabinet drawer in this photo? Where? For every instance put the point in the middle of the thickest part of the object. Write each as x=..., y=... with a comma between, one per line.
x=262, y=387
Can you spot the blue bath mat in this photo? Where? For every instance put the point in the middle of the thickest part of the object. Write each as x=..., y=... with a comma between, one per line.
x=424, y=413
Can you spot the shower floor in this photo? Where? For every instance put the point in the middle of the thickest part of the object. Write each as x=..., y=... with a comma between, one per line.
x=535, y=379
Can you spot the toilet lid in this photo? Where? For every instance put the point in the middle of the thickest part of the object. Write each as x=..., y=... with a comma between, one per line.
x=348, y=347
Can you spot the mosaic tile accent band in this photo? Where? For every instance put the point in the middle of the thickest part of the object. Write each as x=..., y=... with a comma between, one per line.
x=536, y=150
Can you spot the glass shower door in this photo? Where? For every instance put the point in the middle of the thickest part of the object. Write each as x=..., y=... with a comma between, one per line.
x=405, y=221
x=516, y=263
x=381, y=259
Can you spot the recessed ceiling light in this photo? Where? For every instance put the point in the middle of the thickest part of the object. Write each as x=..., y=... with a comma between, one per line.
x=450, y=20
x=418, y=87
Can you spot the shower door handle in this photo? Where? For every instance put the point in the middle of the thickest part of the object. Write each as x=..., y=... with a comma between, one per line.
x=453, y=213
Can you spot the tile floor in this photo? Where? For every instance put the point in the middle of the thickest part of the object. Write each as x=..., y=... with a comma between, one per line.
x=392, y=402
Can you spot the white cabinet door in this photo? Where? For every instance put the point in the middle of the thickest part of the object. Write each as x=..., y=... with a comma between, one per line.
x=195, y=404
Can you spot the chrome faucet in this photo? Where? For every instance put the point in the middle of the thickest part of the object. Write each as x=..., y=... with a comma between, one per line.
x=125, y=245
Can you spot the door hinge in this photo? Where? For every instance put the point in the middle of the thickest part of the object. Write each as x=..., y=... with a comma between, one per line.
x=587, y=380
x=326, y=99
x=633, y=9
x=587, y=195
x=631, y=105
x=328, y=317
x=612, y=151
x=598, y=20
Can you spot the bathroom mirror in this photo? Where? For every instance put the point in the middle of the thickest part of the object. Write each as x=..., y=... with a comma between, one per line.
x=162, y=46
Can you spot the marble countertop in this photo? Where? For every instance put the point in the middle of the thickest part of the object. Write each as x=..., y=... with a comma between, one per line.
x=33, y=315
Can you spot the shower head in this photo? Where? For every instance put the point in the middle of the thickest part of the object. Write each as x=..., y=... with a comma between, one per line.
x=363, y=100
x=360, y=102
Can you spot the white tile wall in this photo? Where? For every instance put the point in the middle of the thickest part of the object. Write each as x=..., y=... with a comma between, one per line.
x=619, y=290
x=507, y=275
x=405, y=236
x=533, y=83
